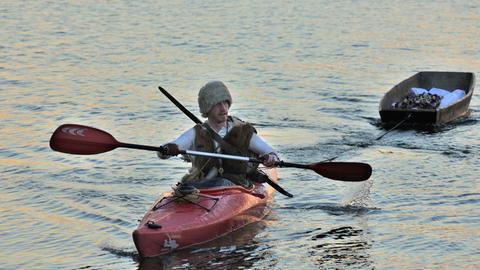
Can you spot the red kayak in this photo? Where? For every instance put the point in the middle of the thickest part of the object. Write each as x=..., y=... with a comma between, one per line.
x=176, y=222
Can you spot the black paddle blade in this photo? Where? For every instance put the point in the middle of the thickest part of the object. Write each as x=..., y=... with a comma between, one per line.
x=343, y=171
x=82, y=140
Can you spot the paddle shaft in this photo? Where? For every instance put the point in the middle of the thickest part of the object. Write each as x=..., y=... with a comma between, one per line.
x=293, y=165
x=191, y=152
x=180, y=106
x=141, y=147
x=207, y=154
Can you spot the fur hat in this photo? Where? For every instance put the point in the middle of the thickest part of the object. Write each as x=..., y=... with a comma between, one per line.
x=212, y=93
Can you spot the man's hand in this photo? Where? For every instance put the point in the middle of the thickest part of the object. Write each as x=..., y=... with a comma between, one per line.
x=269, y=160
x=169, y=149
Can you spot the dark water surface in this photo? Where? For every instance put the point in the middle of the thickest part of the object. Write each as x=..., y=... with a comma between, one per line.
x=309, y=74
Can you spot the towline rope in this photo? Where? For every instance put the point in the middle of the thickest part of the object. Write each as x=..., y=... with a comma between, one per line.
x=376, y=139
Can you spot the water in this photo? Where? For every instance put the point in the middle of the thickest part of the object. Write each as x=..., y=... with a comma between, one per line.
x=309, y=74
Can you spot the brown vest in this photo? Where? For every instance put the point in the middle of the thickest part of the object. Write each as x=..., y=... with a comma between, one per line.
x=236, y=171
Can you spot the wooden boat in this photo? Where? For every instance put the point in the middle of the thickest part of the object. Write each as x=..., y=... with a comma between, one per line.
x=427, y=80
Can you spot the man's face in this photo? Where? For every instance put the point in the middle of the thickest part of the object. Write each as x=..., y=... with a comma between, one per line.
x=219, y=112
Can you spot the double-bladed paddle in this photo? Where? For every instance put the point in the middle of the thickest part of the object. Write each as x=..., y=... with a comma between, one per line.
x=84, y=140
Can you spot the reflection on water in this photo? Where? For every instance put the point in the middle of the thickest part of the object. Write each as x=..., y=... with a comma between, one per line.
x=343, y=244
x=343, y=247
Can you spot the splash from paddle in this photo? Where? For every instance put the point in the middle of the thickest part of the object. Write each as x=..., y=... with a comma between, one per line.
x=84, y=140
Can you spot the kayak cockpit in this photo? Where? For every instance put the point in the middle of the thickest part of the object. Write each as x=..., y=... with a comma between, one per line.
x=205, y=198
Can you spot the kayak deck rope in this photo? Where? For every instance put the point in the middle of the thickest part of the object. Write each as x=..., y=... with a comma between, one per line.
x=186, y=194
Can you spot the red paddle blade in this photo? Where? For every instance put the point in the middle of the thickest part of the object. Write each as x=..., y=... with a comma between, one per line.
x=343, y=171
x=82, y=140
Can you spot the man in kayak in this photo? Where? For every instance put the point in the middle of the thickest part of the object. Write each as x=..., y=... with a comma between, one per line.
x=224, y=134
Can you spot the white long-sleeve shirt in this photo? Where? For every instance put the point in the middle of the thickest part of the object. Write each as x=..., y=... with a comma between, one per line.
x=257, y=145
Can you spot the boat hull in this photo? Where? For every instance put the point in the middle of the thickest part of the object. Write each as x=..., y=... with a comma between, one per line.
x=172, y=224
x=428, y=79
